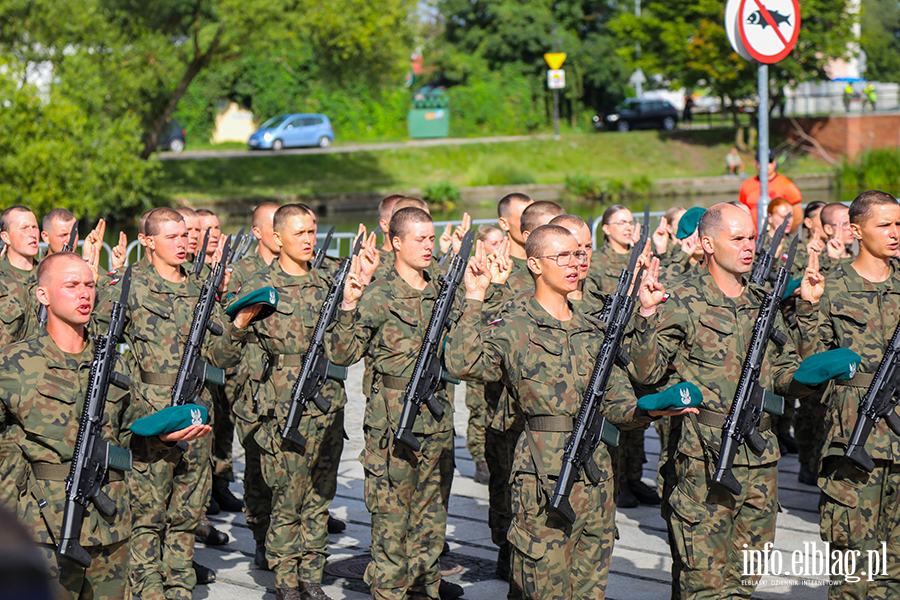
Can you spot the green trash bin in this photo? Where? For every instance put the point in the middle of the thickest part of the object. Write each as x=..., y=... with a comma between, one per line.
x=429, y=116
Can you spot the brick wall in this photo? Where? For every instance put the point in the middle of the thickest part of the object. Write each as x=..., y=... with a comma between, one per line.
x=845, y=134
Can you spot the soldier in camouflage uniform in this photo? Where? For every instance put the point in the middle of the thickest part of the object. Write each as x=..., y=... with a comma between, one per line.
x=192, y=222
x=244, y=384
x=544, y=352
x=703, y=330
x=19, y=231
x=406, y=492
x=168, y=494
x=858, y=307
x=43, y=384
x=302, y=478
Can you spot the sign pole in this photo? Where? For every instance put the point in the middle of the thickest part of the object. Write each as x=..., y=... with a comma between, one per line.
x=763, y=124
x=555, y=114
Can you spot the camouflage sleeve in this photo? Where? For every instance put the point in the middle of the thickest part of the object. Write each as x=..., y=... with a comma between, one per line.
x=495, y=299
x=347, y=338
x=476, y=362
x=621, y=403
x=654, y=342
x=786, y=361
x=816, y=331
x=225, y=350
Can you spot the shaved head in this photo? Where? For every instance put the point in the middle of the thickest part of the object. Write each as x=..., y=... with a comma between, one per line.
x=713, y=220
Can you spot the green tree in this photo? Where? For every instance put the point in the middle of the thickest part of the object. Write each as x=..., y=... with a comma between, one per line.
x=684, y=41
x=881, y=39
x=54, y=154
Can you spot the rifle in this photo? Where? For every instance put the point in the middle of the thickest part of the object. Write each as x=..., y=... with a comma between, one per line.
x=878, y=403
x=763, y=265
x=591, y=427
x=200, y=257
x=42, y=311
x=94, y=456
x=315, y=365
x=192, y=372
x=427, y=374
x=320, y=255
x=234, y=248
x=243, y=247
x=750, y=397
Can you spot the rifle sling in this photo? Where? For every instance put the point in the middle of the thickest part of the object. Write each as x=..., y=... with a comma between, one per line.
x=717, y=420
x=862, y=380
x=279, y=361
x=52, y=472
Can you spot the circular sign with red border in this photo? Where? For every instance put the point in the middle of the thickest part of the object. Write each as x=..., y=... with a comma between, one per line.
x=769, y=28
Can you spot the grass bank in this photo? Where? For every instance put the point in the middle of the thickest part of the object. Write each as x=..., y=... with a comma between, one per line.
x=623, y=156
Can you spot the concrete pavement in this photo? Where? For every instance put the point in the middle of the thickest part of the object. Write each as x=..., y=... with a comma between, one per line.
x=640, y=564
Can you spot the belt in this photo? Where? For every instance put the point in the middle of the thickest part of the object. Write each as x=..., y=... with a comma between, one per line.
x=714, y=419
x=551, y=423
x=212, y=375
x=51, y=472
x=399, y=383
x=280, y=361
x=862, y=380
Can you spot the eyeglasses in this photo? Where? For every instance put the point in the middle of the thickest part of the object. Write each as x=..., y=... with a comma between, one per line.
x=622, y=223
x=567, y=259
x=843, y=224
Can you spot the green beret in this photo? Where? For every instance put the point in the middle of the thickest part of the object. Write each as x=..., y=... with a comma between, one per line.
x=840, y=363
x=689, y=221
x=683, y=395
x=173, y=418
x=791, y=287
x=267, y=296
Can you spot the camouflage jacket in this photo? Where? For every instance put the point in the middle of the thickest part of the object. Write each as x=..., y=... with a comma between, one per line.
x=287, y=334
x=385, y=263
x=158, y=320
x=679, y=270
x=42, y=392
x=389, y=326
x=606, y=268
x=546, y=365
x=705, y=335
x=26, y=278
x=860, y=315
x=17, y=312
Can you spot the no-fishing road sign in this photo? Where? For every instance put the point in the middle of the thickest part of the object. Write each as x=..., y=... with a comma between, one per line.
x=768, y=28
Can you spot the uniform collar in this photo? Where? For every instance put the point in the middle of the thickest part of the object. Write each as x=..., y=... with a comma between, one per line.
x=715, y=297
x=280, y=278
x=401, y=289
x=857, y=283
x=542, y=318
x=56, y=358
x=162, y=286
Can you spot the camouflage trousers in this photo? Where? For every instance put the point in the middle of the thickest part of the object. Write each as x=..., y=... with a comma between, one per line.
x=223, y=435
x=105, y=579
x=407, y=494
x=477, y=420
x=303, y=482
x=858, y=512
x=257, y=495
x=552, y=560
x=498, y=451
x=168, y=499
x=711, y=529
x=809, y=430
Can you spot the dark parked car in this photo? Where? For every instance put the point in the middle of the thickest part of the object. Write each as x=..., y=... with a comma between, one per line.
x=172, y=137
x=639, y=114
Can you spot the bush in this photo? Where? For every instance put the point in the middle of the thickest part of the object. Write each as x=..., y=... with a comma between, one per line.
x=586, y=187
x=874, y=169
x=499, y=173
x=442, y=193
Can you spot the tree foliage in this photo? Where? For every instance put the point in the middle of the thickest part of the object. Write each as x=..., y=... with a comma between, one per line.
x=881, y=39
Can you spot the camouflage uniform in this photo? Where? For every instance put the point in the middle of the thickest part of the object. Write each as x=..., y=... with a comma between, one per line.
x=546, y=365
x=241, y=386
x=17, y=321
x=858, y=510
x=477, y=420
x=303, y=480
x=705, y=336
x=169, y=493
x=406, y=492
x=42, y=392
x=603, y=275
x=26, y=278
